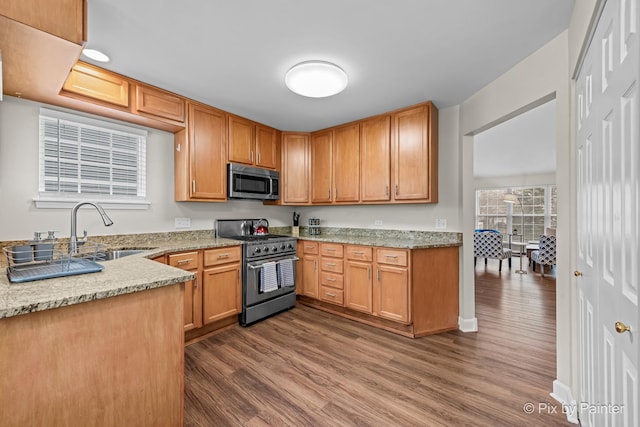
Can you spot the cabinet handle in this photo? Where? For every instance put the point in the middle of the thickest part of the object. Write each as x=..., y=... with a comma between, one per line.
x=252, y=157
x=330, y=249
x=357, y=253
x=193, y=185
x=315, y=264
x=378, y=274
x=330, y=279
x=259, y=158
x=223, y=256
x=368, y=273
x=196, y=282
x=336, y=192
x=331, y=264
x=329, y=193
x=392, y=256
x=308, y=247
x=386, y=190
x=329, y=294
x=396, y=189
x=184, y=261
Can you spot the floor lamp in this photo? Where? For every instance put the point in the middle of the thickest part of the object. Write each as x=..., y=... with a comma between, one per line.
x=512, y=199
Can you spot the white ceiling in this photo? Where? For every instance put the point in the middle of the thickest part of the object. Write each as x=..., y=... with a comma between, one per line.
x=523, y=145
x=234, y=54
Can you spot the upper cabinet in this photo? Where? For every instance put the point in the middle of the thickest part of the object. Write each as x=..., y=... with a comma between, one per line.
x=62, y=18
x=251, y=143
x=415, y=154
x=295, y=168
x=391, y=158
x=158, y=103
x=200, y=156
x=98, y=84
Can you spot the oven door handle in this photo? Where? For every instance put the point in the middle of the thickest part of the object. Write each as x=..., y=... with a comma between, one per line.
x=257, y=267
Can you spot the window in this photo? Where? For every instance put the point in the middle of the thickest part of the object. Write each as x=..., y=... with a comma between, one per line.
x=83, y=158
x=538, y=203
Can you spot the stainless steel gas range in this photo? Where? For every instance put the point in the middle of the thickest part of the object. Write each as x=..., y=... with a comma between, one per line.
x=268, y=267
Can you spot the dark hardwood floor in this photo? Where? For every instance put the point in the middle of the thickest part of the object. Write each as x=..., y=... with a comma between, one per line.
x=308, y=368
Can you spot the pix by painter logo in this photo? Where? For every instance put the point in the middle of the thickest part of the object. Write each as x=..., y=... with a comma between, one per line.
x=572, y=408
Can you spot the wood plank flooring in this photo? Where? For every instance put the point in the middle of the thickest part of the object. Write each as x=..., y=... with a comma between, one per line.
x=305, y=367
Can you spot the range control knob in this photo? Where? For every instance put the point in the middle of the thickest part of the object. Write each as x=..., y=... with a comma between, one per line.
x=265, y=249
x=283, y=247
x=289, y=246
x=274, y=249
x=257, y=250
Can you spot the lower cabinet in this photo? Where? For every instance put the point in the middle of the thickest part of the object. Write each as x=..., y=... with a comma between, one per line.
x=410, y=292
x=310, y=277
x=216, y=292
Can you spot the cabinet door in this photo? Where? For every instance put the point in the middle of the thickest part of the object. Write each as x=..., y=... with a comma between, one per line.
x=346, y=163
x=207, y=145
x=310, y=276
x=266, y=148
x=62, y=18
x=221, y=292
x=321, y=167
x=241, y=149
x=295, y=169
x=358, y=287
x=392, y=293
x=159, y=103
x=414, y=158
x=96, y=83
x=375, y=159
x=191, y=320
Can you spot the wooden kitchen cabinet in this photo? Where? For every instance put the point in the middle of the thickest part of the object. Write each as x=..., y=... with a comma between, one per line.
x=375, y=159
x=200, y=156
x=321, y=167
x=415, y=154
x=295, y=168
x=310, y=273
x=391, y=287
x=358, y=278
x=62, y=18
x=159, y=103
x=221, y=284
x=98, y=84
x=251, y=143
x=346, y=163
x=190, y=261
x=332, y=273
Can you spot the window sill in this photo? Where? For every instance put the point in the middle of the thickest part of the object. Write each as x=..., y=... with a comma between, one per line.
x=60, y=203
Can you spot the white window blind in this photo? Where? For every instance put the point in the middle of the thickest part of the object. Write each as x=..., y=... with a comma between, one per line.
x=85, y=158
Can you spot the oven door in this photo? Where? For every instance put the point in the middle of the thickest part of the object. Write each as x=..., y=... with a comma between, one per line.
x=251, y=292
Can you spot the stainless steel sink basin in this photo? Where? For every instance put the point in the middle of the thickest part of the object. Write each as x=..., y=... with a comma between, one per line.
x=117, y=254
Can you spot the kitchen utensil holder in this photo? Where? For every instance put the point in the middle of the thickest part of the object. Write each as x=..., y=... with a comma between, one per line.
x=47, y=259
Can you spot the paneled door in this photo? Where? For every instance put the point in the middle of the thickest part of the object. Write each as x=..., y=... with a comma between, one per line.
x=608, y=196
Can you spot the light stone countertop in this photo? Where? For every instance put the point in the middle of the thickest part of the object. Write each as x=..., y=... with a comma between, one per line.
x=138, y=273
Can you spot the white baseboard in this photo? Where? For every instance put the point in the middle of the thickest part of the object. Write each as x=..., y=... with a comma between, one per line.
x=562, y=394
x=468, y=325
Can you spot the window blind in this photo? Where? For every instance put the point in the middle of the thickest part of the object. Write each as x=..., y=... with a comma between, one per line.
x=84, y=156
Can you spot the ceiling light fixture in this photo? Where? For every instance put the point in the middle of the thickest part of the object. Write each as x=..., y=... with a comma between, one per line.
x=96, y=55
x=316, y=79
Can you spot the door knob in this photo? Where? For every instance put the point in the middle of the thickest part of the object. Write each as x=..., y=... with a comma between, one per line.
x=577, y=273
x=621, y=328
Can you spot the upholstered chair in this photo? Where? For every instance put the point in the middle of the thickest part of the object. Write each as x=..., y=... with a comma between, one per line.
x=546, y=254
x=488, y=244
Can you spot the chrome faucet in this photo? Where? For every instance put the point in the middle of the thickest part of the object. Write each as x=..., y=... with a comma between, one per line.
x=73, y=240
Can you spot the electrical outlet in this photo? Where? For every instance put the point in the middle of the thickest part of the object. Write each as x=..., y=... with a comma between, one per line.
x=377, y=222
x=441, y=224
x=183, y=222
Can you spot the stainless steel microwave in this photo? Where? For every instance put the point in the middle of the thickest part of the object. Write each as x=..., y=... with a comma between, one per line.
x=248, y=182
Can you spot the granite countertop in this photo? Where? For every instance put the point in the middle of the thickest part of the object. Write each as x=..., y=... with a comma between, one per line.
x=122, y=276
x=138, y=273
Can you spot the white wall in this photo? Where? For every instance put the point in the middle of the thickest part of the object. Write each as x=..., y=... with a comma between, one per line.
x=515, y=181
x=19, y=185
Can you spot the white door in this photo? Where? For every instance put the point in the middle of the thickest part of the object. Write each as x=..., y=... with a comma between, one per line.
x=608, y=185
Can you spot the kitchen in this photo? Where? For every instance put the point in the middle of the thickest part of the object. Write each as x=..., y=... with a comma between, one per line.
x=17, y=124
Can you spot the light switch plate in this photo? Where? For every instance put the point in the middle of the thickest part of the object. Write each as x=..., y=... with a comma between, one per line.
x=378, y=222
x=441, y=224
x=183, y=222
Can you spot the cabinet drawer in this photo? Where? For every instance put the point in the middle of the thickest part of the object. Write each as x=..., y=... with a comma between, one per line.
x=310, y=247
x=332, y=264
x=185, y=261
x=392, y=257
x=98, y=84
x=222, y=256
x=359, y=253
x=331, y=295
x=332, y=280
x=331, y=249
x=159, y=103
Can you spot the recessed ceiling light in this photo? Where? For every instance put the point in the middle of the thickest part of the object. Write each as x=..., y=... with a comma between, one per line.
x=96, y=55
x=316, y=79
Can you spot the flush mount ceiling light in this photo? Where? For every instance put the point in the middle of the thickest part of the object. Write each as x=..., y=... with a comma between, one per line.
x=316, y=79
x=96, y=55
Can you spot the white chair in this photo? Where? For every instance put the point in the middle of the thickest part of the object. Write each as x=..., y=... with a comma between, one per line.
x=546, y=254
x=488, y=244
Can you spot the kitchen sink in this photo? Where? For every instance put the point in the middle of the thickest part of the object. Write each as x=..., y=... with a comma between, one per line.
x=117, y=254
